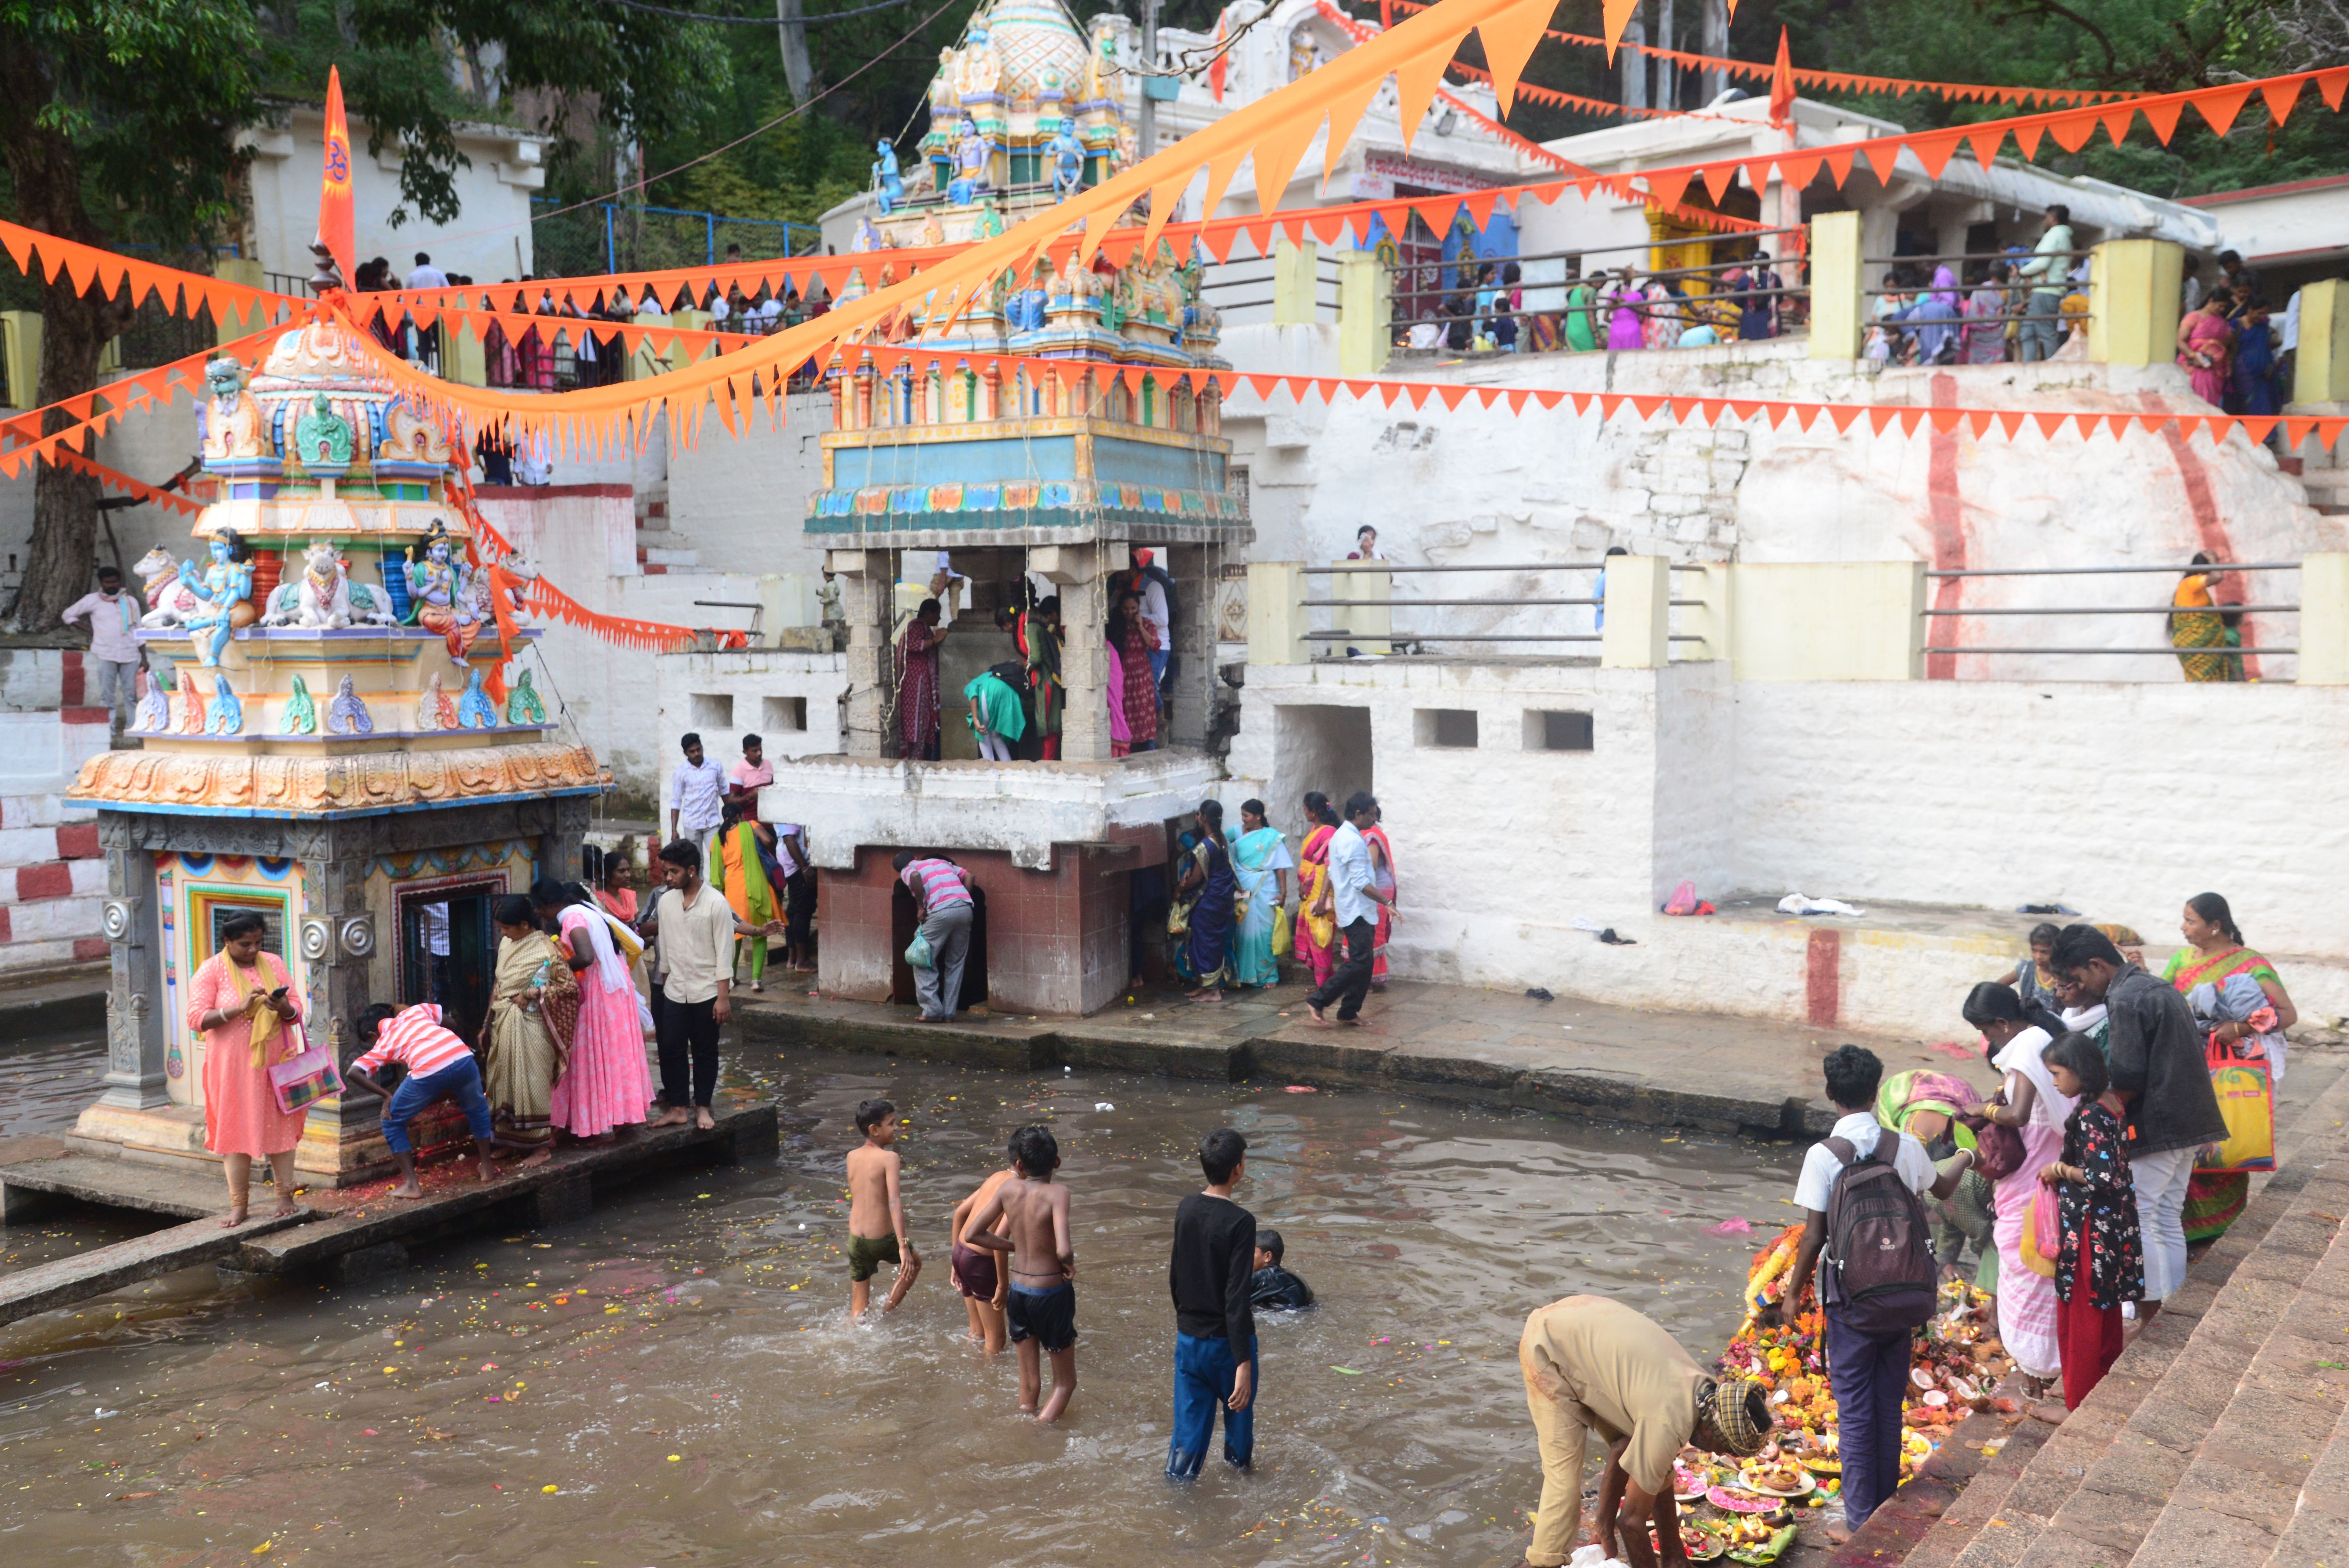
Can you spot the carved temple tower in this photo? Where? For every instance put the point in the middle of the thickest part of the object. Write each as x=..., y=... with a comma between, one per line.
x=1048, y=477
x=342, y=753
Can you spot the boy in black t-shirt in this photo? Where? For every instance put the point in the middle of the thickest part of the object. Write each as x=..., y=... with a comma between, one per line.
x=1272, y=1287
x=1214, y=1331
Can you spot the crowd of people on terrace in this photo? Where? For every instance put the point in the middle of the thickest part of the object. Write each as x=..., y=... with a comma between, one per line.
x=570, y=352
x=2022, y=306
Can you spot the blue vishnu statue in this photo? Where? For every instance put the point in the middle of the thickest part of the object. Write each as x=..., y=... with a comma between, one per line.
x=887, y=180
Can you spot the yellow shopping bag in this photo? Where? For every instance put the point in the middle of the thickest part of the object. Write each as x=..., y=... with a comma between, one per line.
x=1283, y=937
x=2247, y=1099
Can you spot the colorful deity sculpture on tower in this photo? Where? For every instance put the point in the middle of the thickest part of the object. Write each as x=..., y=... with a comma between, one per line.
x=282, y=770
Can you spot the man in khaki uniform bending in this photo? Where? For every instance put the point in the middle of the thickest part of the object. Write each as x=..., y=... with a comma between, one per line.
x=1593, y=1365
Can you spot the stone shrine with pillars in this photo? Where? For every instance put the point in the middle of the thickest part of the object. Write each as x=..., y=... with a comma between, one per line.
x=1042, y=478
x=353, y=751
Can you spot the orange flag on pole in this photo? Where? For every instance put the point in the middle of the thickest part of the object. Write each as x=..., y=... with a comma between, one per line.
x=1781, y=85
x=335, y=183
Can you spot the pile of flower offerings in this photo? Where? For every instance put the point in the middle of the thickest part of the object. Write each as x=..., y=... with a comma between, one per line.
x=1745, y=1510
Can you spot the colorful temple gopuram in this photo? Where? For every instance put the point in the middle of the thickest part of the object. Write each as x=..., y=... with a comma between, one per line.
x=342, y=753
x=1028, y=479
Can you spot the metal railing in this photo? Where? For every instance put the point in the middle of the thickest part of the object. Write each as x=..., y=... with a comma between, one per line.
x=2236, y=651
x=609, y=237
x=1419, y=639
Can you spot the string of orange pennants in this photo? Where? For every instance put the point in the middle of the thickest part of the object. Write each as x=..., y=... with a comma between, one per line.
x=46, y=255
x=604, y=413
x=494, y=550
x=1833, y=81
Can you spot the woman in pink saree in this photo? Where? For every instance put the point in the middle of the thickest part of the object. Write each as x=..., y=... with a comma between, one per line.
x=2206, y=346
x=2026, y=1299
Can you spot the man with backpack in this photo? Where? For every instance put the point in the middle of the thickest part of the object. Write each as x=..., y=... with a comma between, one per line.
x=1858, y=1194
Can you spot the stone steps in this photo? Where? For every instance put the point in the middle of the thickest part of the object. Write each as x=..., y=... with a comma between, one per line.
x=2241, y=1486
x=2318, y=1530
x=2102, y=1481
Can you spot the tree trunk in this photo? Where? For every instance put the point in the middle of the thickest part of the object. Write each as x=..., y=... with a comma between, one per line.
x=799, y=73
x=74, y=332
x=45, y=171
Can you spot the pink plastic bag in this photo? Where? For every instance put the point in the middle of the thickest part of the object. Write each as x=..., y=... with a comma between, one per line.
x=1683, y=900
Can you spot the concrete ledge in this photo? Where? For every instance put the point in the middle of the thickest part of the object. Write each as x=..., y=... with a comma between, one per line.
x=108, y=1269
x=1654, y=1093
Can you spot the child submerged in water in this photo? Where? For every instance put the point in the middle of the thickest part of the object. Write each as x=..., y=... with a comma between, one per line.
x=877, y=1212
x=1041, y=1305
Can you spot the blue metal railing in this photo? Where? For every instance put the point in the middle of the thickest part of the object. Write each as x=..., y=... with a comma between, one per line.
x=636, y=239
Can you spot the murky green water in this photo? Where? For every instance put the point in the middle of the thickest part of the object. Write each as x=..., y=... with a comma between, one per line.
x=679, y=1372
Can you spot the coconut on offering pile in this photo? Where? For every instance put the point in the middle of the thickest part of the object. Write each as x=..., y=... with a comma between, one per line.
x=1745, y=1510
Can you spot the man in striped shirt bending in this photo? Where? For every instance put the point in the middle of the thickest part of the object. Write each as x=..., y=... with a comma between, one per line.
x=438, y=1063
x=942, y=905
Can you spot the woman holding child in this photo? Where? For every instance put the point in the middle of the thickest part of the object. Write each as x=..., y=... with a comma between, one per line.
x=533, y=1012
x=2240, y=999
x=2028, y=1102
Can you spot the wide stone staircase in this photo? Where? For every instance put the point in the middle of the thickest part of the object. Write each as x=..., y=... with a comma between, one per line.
x=2221, y=1437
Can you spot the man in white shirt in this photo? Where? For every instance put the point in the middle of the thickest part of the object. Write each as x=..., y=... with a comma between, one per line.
x=2050, y=261
x=1869, y=1372
x=697, y=796
x=426, y=275
x=113, y=617
x=697, y=929
x=1353, y=898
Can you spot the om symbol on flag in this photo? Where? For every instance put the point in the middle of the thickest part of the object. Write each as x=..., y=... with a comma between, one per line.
x=338, y=163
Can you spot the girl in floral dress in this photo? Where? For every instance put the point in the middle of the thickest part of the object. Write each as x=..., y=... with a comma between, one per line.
x=2102, y=1261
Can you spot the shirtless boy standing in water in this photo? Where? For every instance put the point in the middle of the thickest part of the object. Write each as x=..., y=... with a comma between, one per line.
x=976, y=1271
x=1041, y=1308
x=877, y=1212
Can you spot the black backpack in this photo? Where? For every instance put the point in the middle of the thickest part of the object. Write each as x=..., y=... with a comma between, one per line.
x=1879, y=1271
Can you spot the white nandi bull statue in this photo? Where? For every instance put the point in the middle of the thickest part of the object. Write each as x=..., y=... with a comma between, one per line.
x=168, y=600
x=324, y=597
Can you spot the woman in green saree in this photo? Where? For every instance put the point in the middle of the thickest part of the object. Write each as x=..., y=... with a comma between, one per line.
x=1261, y=864
x=2215, y=952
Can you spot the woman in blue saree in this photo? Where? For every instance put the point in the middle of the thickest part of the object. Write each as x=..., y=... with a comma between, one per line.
x=1207, y=955
x=1261, y=865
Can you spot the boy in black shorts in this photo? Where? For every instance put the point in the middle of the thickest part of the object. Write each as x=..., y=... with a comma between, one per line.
x=1041, y=1305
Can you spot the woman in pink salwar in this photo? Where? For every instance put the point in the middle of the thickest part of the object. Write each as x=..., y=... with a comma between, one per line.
x=2206, y=346
x=2026, y=1299
x=605, y=1084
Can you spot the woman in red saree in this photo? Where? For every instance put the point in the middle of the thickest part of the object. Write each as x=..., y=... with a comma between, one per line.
x=1317, y=932
x=1383, y=875
x=1132, y=641
x=917, y=682
x=2216, y=952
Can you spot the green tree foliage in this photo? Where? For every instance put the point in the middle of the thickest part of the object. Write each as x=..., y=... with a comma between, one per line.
x=118, y=121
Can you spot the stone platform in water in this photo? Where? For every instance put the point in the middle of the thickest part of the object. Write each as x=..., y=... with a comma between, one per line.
x=343, y=1234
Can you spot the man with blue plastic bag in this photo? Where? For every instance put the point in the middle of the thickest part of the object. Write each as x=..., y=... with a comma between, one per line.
x=942, y=905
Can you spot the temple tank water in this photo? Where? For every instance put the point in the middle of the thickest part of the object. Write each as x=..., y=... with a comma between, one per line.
x=673, y=1380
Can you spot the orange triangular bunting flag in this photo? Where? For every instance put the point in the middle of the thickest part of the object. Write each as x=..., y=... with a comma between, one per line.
x=1882, y=157
x=1648, y=405
x=2330, y=83
x=1548, y=399
x=1450, y=394
x=2282, y=96
x=2012, y=423
x=1946, y=420
x=1717, y=179
x=1839, y=165
x=1667, y=186
x=2072, y=130
x=2219, y=106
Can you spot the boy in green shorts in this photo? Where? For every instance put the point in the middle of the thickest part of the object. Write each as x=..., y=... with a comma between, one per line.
x=877, y=1212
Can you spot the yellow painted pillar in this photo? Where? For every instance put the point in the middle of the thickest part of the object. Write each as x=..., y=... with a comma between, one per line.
x=1637, y=635
x=20, y=353
x=644, y=364
x=1292, y=282
x=2321, y=372
x=1366, y=618
x=235, y=324
x=2133, y=301
x=1365, y=313
x=1838, y=315
x=685, y=354
x=2323, y=608
x=1276, y=616
x=464, y=358
x=1829, y=621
